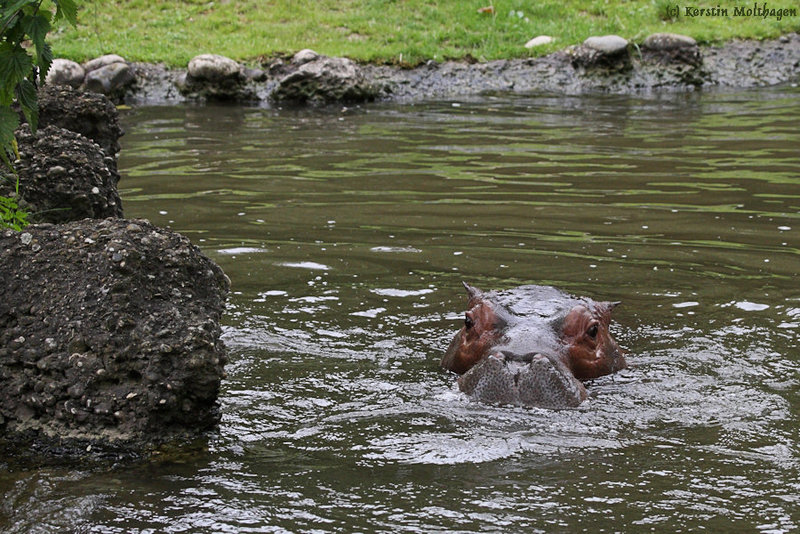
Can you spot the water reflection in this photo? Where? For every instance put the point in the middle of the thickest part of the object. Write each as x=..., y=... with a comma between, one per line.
x=347, y=233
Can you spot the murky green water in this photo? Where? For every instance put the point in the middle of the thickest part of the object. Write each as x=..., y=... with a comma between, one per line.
x=347, y=233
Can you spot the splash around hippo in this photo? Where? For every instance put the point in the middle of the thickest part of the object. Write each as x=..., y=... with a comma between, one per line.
x=532, y=346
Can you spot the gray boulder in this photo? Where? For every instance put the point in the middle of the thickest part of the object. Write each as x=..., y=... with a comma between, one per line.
x=669, y=48
x=102, y=61
x=110, y=80
x=304, y=56
x=608, y=52
x=65, y=72
x=325, y=80
x=63, y=176
x=607, y=44
x=109, y=338
x=214, y=77
x=213, y=68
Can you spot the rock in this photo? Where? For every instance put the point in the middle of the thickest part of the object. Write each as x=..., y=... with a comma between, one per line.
x=110, y=80
x=541, y=40
x=109, y=337
x=304, y=56
x=608, y=52
x=671, y=48
x=668, y=41
x=325, y=80
x=65, y=72
x=102, y=61
x=212, y=68
x=90, y=114
x=213, y=77
x=63, y=176
x=254, y=75
x=607, y=44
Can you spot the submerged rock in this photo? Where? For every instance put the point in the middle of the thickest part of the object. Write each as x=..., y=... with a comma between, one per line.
x=109, y=337
x=325, y=80
x=65, y=72
x=90, y=114
x=63, y=176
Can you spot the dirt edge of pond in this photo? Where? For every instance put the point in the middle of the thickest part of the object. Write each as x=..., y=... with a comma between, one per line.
x=606, y=64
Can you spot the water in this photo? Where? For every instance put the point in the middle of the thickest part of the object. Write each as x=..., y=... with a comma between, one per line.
x=347, y=233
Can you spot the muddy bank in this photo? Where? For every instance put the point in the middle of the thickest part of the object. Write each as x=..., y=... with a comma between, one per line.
x=677, y=65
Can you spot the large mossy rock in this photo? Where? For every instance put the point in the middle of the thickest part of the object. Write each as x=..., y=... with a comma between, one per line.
x=109, y=337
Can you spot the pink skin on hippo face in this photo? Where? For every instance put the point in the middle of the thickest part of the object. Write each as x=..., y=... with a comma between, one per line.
x=532, y=337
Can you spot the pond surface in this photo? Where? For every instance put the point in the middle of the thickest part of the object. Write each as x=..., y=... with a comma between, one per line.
x=346, y=234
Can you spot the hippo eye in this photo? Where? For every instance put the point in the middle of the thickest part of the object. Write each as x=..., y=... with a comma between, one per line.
x=468, y=322
x=592, y=332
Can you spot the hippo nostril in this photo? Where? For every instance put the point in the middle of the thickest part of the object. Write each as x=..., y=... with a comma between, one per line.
x=516, y=357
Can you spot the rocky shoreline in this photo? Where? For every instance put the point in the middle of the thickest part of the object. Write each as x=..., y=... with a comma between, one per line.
x=601, y=64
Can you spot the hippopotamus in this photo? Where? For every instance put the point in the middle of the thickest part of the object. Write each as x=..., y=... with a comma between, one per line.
x=532, y=346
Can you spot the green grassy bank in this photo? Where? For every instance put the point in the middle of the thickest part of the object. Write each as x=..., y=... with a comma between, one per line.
x=394, y=31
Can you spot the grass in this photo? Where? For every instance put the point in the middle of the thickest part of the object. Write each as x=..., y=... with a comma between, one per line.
x=387, y=31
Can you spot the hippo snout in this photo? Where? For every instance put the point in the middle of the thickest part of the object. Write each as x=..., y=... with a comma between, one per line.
x=528, y=380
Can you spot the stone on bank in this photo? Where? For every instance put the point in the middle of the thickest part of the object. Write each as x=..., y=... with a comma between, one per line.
x=65, y=72
x=669, y=48
x=316, y=79
x=608, y=52
x=109, y=75
x=215, y=77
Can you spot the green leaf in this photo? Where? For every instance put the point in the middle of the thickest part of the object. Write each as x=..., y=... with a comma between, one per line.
x=36, y=26
x=12, y=11
x=44, y=60
x=68, y=10
x=26, y=96
x=9, y=121
x=15, y=65
x=11, y=216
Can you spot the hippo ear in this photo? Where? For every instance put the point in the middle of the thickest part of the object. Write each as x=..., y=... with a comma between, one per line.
x=472, y=291
x=608, y=307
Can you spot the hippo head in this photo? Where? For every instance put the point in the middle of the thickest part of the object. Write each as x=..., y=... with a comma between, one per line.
x=533, y=322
